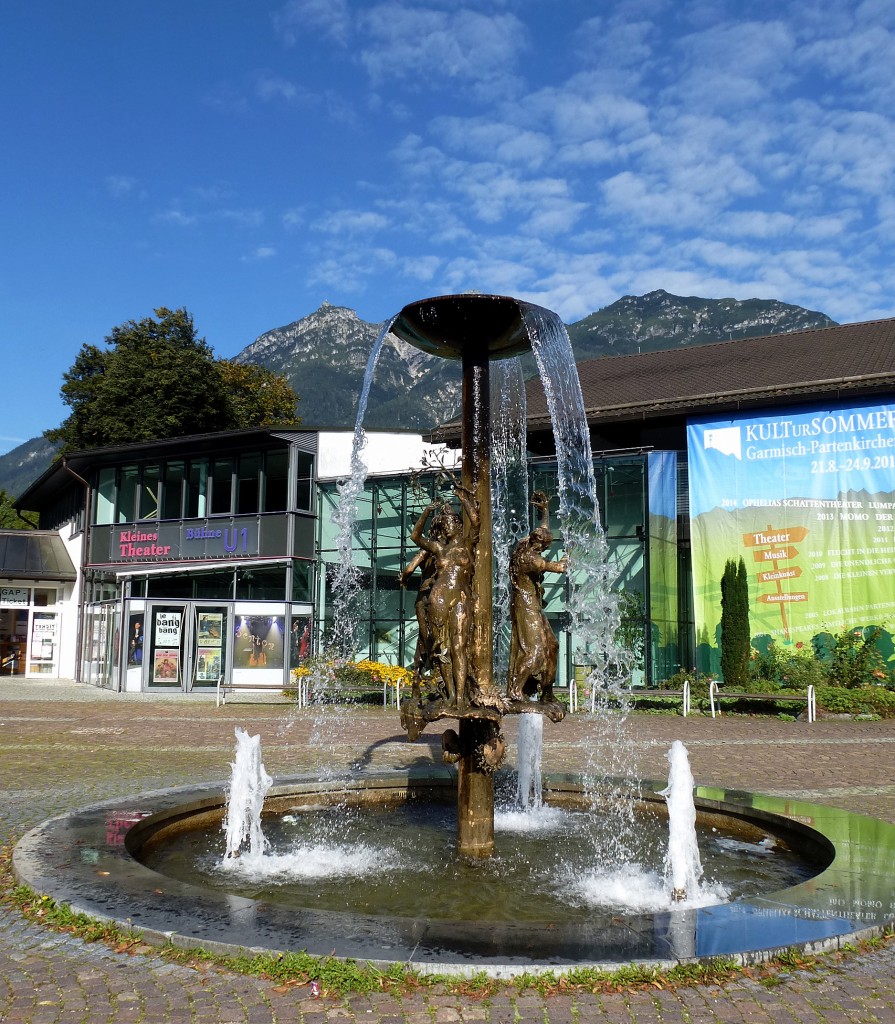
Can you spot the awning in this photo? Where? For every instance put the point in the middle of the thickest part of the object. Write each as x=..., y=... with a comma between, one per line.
x=35, y=555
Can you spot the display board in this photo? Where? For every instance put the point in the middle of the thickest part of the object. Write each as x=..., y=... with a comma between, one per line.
x=806, y=496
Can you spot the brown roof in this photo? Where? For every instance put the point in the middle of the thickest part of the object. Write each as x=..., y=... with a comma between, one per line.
x=799, y=366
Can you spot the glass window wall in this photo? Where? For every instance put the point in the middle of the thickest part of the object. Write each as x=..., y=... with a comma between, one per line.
x=387, y=509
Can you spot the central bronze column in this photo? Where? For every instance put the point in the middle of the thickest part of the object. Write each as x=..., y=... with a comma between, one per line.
x=475, y=329
x=475, y=796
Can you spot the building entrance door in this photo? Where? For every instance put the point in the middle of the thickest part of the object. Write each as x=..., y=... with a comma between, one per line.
x=212, y=631
x=13, y=637
x=166, y=635
x=187, y=645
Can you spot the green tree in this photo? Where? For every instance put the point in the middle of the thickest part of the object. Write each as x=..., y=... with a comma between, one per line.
x=10, y=518
x=735, y=643
x=257, y=397
x=157, y=379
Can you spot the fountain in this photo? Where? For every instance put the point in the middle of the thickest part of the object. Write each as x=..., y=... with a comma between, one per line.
x=547, y=920
x=683, y=867
x=249, y=785
x=476, y=329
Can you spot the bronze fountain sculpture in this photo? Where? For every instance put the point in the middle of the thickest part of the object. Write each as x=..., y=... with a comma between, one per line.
x=453, y=661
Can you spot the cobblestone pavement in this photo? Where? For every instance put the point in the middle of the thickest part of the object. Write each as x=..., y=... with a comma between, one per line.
x=63, y=746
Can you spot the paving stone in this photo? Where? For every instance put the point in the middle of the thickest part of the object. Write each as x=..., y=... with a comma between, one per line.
x=64, y=746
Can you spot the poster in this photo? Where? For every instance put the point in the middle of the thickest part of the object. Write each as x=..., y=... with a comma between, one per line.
x=167, y=628
x=208, y=664
x=806, y=497
x=259, y=642
x=166, y=665
x=300, y=641
x=210, y=628
x=135, y=639
x=43, y=637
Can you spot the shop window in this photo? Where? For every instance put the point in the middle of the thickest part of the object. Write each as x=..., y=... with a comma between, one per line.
x=44, y=597
x=173, y=586
x=260, y=584
x=149, y=492
x=624, y=499
x=248, y=484
x=304, y=489
x=222, y=487
x=127, y=494
x=44, y=643
x=276, y=481
x=172, y=490
x=302, y=581
x=197, y=492
x=105, y=498
x=213, y=585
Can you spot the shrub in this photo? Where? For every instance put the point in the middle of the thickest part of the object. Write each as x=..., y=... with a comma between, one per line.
x=855, y=658
x=333, y=674
x=735, y=646
x=699, y=682
x=869, y=700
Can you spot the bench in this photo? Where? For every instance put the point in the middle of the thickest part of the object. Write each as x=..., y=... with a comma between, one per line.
x=716, y=694
x=683, y=695
x=390, y=694
x=224, y=687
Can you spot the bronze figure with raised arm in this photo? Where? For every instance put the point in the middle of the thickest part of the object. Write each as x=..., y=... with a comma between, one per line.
x=534, y=648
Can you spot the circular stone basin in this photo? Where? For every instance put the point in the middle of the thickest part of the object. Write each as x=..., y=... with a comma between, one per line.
x=89, y=859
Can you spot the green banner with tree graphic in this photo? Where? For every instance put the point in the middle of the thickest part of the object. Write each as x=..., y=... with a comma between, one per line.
x=806, y=496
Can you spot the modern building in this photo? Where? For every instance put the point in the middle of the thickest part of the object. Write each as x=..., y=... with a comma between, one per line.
x=208, y=555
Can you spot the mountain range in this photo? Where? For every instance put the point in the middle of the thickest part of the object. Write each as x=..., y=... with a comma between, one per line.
x=324, y=356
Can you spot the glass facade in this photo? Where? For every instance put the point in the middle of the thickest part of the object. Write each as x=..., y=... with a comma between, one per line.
x=260, y=532
x=639, y=513
x=200, y=566
x=178, y=488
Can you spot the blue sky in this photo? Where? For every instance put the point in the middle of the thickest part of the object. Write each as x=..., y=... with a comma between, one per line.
x=250, y=159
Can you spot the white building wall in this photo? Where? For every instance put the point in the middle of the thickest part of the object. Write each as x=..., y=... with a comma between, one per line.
x=384, y=452
x=69, y=604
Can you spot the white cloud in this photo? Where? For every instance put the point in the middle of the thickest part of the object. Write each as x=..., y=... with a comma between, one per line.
x=352, y=270
x=350, y=222
x=243, y=218
x=423, y=268
x=275, y=87
x=213, y=193
x=121, y=185
x=584, y=109
x=501, y=142
x=294, y=217
x=259, y=254
x=428, y=46
x=174, y=215
x=299, y=18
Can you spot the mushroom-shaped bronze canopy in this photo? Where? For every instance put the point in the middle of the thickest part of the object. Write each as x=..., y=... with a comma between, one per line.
x=452, y=326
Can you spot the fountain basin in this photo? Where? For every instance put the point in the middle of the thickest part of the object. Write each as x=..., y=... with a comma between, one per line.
x=451, y=326
x=86, y=859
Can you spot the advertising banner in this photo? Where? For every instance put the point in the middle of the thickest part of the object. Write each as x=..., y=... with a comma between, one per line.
x=663, y=555
x=806, y=497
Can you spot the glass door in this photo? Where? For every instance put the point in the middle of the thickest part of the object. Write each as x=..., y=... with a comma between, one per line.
x=13, y=639
x=166, y=635
x=211, y=625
